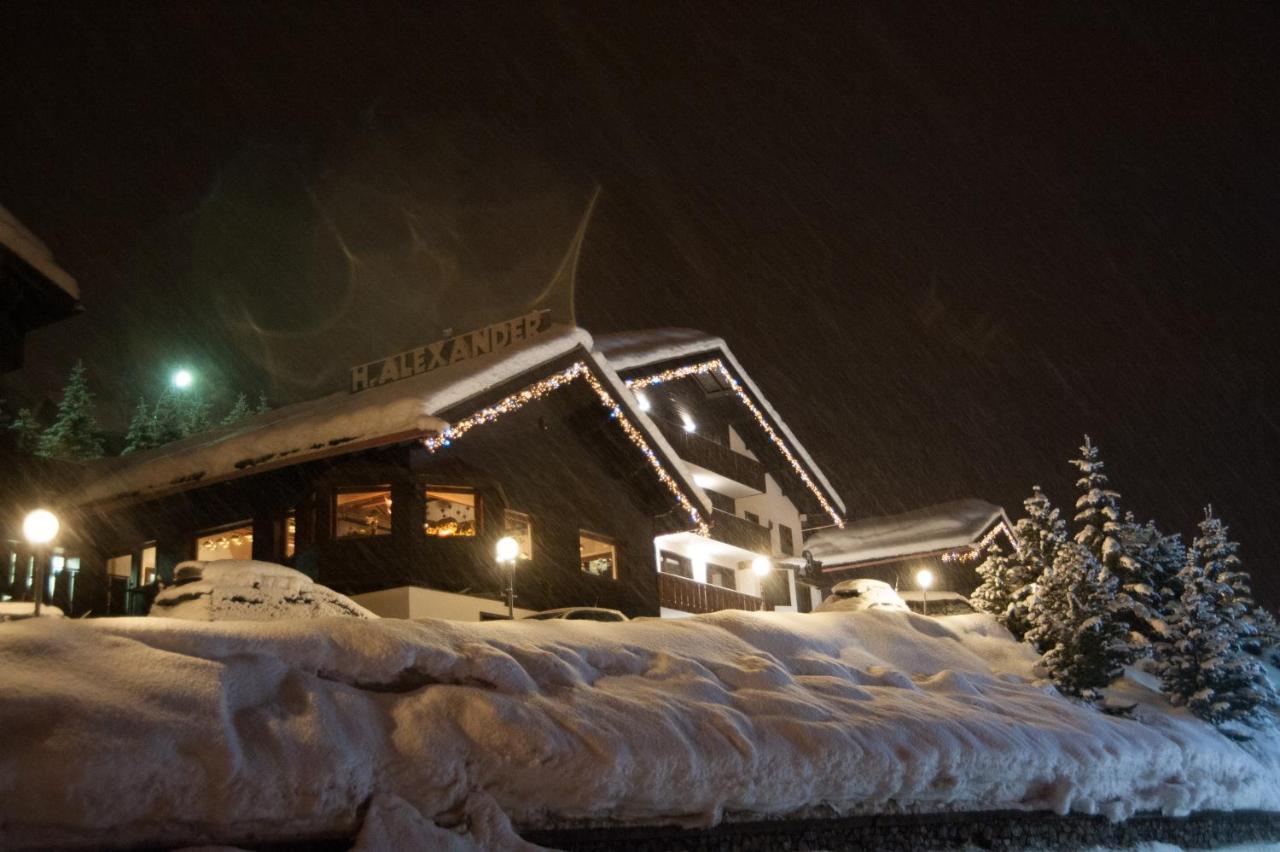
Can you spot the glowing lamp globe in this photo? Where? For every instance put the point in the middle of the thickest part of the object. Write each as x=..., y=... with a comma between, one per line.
x=924, y=578
x=40, y=526
x=183, y=379
x=508, y=549
x=761, y=566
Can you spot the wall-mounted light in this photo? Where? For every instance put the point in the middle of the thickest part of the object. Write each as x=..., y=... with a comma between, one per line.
x=761, y=566
x=642, y=401
x=687, y=422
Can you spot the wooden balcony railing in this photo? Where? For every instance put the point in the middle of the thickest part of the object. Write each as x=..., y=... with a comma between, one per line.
x=715, y=457
x=740, y=532
x=676, y=592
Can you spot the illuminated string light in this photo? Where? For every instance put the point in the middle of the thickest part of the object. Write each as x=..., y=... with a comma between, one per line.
x=972, y=552
x=538, y=390
x=716, y=365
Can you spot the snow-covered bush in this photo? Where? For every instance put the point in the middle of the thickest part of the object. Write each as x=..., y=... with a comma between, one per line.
x=860, y=594
x=245, y=590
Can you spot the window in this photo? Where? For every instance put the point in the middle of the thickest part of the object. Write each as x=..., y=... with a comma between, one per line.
x=518, y=526
x=597, y=555
x=718, y=575
x=234, y=542
x=669, y=563
x=120, y=566
x=785, y=541
x=290, y=534
x=451, y=513
x=149, y=564
x=362, y=514
x=752, y=517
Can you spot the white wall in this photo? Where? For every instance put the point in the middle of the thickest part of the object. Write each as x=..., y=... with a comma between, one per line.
x=414, y=602
x=774, y=506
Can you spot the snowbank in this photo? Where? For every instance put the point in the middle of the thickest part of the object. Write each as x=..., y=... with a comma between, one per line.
x=11, y=610
x=236, y=732
x=245, y=590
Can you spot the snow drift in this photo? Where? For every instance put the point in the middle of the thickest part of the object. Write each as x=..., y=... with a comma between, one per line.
x=251, y=731
x=246, y=590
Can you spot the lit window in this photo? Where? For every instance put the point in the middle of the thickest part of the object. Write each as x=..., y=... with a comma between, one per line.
x=518, y=526
x=597, y=555
x=290, y=533
x=148, y=565
x=362, y=514
x=226, y=543
x=451, y=513
x=120, y=566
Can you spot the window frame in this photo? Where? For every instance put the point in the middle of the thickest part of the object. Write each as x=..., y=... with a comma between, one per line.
x=603, y=539
x=339, y=491
x=194, y=548
x=476, y=497
x=528, y=520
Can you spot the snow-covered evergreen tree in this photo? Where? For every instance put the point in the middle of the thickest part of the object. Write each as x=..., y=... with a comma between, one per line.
x=1203, y=666
x=1219, y=555
x=263, y=405
x=238, y=412
x=167, y=421
x=139, y=436
x=74, y=432
x=26, y=430
x=1075, y=624
x=1000, y=581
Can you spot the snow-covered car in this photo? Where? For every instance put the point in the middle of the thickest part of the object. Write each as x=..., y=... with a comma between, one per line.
x=247, y=590
x=853, y=595
x=578, y=613
x=937, y=602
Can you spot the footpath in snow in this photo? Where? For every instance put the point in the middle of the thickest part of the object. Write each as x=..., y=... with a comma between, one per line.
x=444, y=735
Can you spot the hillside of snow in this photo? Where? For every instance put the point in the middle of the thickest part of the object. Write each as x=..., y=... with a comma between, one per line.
x=162, y=731
x=248, y=590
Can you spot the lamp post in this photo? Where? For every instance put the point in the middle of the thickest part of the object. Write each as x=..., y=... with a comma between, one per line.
x=39, y=528
x=507, y=552
x=924, y=579
x=182, y=379
x=761, y=566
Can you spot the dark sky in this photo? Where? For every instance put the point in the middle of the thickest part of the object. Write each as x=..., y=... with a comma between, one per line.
x=946, y=239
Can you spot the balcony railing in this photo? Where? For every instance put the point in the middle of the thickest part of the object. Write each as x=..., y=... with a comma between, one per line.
x=740, y=532
x=716, y=458
x=676, y=592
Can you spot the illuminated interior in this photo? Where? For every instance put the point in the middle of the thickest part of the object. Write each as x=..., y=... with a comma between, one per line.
x=598, y=557
x=451, y=513
x=362, y=514
x=234, y=543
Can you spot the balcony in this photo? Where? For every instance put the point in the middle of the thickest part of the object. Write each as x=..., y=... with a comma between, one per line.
x=741, y=533
x=746, y=472
x=675, y=592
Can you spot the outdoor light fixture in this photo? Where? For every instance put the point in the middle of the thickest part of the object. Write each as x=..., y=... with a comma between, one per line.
x=924, y=579
x=183, y=379
x=507, y=551
x=39, y=528
x=642, y=401
x=761, y=566
x=687, y=422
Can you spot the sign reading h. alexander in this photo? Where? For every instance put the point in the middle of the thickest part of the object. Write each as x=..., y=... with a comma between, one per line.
x=451, y=350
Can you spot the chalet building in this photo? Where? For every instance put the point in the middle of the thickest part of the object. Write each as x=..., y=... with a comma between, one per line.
x=396, y=491
x=948, y=539
x=763, y=486
x=34, y=292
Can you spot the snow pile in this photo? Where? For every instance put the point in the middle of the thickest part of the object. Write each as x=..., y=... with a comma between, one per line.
x=245, y=590
x=945, y=526
x=11, y=610
x=860, y=594
x=248, y=732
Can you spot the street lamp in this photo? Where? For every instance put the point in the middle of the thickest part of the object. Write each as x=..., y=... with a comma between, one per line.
x=183, y=379
x=39, y=528
x=761, y=566
x=924, y=579
x=507, y=552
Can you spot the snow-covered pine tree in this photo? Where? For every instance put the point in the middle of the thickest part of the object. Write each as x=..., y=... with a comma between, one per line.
x=1219, y=555
x=139, y=436
x=263, y=405
x=26, y=430
x=1039, y=534
x=1203, y=665
x=1075, y=624
x=166, y=419
x=193, y=411
x=1100, y=530
x=74, y=433
x=1000, y=580
x=238, y=412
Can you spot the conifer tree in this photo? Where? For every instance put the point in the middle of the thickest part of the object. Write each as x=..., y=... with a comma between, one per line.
x=999, y=584
x=73, y=434
x=26, y=429
x=263, y=405
x=1074, y=623
x=238, y=412
x=167, y=419
x=1203, y=666
x=139, y=436
x=1219, y=555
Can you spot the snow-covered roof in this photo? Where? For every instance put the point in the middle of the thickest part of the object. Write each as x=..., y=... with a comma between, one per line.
x=628, y=350
x=344, y=422
x=15, y=237
x=934, y=528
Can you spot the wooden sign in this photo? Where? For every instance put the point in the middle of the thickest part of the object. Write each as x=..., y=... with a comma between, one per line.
x=451, y=350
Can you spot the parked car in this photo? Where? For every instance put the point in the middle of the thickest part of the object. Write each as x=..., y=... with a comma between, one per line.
x=577, y=613
x=854, y=595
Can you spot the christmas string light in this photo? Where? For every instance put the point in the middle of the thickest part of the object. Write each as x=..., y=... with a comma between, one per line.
x=716, y=365
x=537, y=391
x=971, y=552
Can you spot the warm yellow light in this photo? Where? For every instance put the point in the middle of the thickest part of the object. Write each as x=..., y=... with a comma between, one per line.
x=761, y=565
x=924, y=578
x=508, y=550
x=40, y=526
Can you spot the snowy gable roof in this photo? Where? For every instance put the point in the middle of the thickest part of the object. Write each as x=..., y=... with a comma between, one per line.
x=344, y=422
x=945, y=526
x=630, y=350
x=15, y=237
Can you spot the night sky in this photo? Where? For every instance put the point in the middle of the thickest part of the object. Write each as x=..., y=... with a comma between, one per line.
x=946, y=240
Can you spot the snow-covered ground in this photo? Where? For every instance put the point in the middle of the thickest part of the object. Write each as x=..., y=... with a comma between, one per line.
x=162, y=731
x=10, y=610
